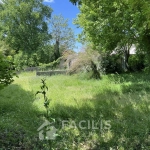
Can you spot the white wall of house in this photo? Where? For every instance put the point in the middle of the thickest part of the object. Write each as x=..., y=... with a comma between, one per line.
x=131, y=51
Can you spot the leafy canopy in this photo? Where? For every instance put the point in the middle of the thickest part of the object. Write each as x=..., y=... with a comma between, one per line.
x=24, y=24
x=62, y=35
x=108, y=24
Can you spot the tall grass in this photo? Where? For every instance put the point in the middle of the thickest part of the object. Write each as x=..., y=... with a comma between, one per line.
x=124, y=100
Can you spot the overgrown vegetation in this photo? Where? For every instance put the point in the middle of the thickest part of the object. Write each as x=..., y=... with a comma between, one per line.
x=111, y=25
x=108, y=114
x=122, y=99
x=87, y=61
x=7, y=67
x=6, y=71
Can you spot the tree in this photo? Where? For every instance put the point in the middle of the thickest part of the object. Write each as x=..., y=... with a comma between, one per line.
x=46, y=54
x=88, y=61
x=75, y=1
x=115, y=24
x=62, y=36
x=24, y=24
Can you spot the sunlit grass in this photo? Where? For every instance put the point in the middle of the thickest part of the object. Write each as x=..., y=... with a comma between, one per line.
x=122, y=99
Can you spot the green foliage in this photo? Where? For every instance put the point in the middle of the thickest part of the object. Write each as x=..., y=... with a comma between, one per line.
x=23, y=60
x=7, y=68
x=88, y=61
x=49, y=66
x=44, y=88
x=137, y=62
x=33, y=60
x=6, y=71
x=24, y=24
x=112, y=63
x=111, y=24
x=20, y=60
x=75, y=2
x=6, y=50
x=62, y=35
x=46, y=54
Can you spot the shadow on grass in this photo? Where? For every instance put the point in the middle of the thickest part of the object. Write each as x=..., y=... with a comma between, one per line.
x=130, y=123
x=128, y=115
x=135, y=82
x=136, y=87
x=19, y=118
x=132, y=77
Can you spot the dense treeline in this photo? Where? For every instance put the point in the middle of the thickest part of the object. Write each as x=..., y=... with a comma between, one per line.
x=35, y=36
x=110, y=25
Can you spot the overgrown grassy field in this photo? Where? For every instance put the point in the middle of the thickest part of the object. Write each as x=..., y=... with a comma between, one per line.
x=115, y=113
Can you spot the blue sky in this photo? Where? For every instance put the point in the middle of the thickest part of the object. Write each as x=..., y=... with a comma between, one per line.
x=68, y=11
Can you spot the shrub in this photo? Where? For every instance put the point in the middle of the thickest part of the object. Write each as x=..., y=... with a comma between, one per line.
x=89, y=62
x=112, y=63
x=6, y=70
x=136, y=62
x=23, y=60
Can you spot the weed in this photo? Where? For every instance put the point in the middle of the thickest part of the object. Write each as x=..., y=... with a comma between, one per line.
x=44, y=88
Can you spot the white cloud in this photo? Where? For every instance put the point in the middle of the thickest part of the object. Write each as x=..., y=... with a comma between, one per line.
x=49, y=1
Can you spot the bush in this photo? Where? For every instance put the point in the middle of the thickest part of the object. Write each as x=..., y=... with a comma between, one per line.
x=89, y=62
x=7, y=68
x=23, y=60
x=112, y=63
x=6, y=71
x=136, y=62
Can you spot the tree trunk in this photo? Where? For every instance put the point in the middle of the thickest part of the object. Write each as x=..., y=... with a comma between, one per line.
x=95, y=74
x=56, y=49
x=127, y=55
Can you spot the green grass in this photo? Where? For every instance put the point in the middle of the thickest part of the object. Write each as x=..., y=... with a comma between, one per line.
x=122, y=99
